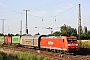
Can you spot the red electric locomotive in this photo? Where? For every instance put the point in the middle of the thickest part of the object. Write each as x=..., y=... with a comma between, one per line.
x=63, y=43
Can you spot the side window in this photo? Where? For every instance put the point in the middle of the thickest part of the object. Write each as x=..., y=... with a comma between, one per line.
x=63, y=40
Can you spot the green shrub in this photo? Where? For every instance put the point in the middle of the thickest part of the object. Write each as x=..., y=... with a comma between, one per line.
x=40, y=57
x=1, y=57
x=11, y=57
x=22, y=56
x=46, y=58
x=28, y=56
x=1, y=45
x=12, y=46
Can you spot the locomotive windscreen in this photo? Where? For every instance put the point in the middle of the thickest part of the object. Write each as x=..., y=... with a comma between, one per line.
x=72, y=39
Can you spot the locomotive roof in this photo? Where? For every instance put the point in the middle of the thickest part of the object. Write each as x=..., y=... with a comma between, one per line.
x=52, y=37
x=31, y=37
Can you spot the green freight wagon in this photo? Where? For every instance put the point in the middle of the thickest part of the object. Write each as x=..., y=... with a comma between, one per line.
x=15, y=40
x=1, y=39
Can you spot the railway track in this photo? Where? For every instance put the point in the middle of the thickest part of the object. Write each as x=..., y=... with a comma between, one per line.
x=53, y=55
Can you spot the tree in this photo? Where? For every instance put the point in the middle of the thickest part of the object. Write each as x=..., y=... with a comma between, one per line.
x=1, y=34
x=57, y=33
x=10, y=34
x=67, y=30
x=73, y=31
x=63, y=29
x=84, y=36
x=17, y=35
x=24, y=34
x=88, y=32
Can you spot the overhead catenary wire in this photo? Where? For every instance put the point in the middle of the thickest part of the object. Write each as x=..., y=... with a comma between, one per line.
x=20, y=12
x=30, y=9
x=42, y=18
x=66, y=10
x=44, y=5
x=39, y=16
x=12, y=24
x=49, y=4
x=61, y=12
x=9, y=26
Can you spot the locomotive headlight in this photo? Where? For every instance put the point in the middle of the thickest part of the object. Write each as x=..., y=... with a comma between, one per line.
x=76, y=44
x=69, y=44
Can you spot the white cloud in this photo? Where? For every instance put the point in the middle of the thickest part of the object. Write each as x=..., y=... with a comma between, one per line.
x=1, y=4
x=39, y=13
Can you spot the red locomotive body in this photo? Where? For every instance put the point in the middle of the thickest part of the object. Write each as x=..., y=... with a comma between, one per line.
x=64, y=43
x=72, y=43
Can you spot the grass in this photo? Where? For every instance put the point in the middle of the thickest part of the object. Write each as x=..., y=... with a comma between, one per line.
x=28, y=56
x=22, y=56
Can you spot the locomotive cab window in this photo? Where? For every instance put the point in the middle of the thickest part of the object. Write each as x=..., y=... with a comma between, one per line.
x=63, y=40
x=71, y=39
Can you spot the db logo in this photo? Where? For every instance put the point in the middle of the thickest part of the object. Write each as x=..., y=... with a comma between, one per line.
x=50, y=42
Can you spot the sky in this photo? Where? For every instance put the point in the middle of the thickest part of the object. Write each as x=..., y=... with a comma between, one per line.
x=55, y=13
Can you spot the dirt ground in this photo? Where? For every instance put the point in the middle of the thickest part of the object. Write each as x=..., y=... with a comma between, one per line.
x=83, y=54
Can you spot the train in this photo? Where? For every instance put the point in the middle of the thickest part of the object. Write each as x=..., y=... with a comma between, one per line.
x=60, y=43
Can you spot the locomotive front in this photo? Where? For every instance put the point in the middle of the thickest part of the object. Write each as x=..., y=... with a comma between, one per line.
x=72, y=43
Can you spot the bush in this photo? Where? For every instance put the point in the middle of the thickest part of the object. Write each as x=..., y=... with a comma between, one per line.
x=22, y=56
x=40, y=57
x=3, y=56
x=46, y=58
x=31, y=56
x=28, y=56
